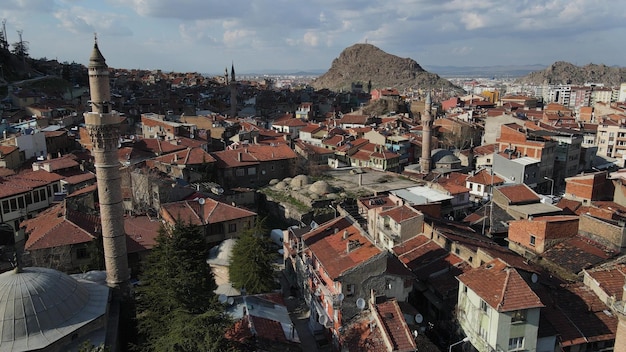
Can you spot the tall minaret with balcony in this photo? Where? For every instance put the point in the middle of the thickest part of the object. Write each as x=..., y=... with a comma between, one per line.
x=233, y=92
x=103, y=126
x=427, y=122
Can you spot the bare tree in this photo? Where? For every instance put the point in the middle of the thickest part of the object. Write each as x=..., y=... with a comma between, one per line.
x=59, y=258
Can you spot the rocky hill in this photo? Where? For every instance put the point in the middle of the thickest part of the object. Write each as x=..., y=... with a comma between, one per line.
x=562, y=72
x=365, y=62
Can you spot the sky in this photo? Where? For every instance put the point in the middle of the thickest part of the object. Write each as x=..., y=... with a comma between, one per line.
x=207, y=36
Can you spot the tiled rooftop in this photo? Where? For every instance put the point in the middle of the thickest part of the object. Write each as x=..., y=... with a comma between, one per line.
x=330, y=248
x=501, y=286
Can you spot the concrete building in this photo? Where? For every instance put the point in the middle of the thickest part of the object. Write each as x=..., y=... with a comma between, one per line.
x=611, y=138
x=103, y=126
x=498, y=310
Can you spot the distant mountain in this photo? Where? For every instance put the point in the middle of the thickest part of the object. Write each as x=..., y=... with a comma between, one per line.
x=562, y=72
x=498, y=71
x=365, y=62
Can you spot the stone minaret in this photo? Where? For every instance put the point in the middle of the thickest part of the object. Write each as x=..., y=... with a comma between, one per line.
x=620, y=335
x=103, y=126
x=427, y=122
x=233, y=92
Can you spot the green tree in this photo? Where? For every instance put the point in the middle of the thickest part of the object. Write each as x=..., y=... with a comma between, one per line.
x=176, y=295
x=252, y=261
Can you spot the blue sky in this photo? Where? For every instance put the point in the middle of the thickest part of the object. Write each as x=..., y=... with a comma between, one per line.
x=285, y=35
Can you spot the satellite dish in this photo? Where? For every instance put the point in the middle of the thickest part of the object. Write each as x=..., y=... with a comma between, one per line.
x=534, y=278
x=322, y=319
x=231, y=301
x=360, y=303
x=201, y=201
x=222, y=298
x=419, y=318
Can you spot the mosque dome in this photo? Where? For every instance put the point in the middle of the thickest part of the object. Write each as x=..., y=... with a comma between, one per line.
x=41, y=306
x=443, y=156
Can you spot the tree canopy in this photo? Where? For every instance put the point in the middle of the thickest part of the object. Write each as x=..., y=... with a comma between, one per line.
x=252, y=261
x=176, y=307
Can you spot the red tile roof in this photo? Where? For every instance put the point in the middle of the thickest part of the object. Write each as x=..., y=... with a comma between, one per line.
x=354, y=119
x=501, y=286
x=211, y=212
x=402, y=213
x=330, y=248
x=79, y=178
x=52, y=228
x=65, y=162
x=141, y=233
x=157, y=146
x=519, y=194
x=26, y=181
x=252, y=155
x=611, y=279
x=189, y=156
x=395, y=328
x=484, y=177
x=577, y=315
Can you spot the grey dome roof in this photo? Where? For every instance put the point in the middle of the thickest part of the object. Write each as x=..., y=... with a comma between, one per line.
x=443, y=156
x=39, y=306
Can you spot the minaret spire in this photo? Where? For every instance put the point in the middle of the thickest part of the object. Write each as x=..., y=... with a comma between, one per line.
x=103, y=127
x=427, y=121
x=233, y=92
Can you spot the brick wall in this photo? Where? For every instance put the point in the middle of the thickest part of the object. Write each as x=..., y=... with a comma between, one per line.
x=606, y=233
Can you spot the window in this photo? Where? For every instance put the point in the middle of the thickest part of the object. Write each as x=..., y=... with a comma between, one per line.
x=13, y=202
x=516, y=343
x=81, y=253
x=350, y=289
x=232, y=227
x=483, y=306
x=532, y=240
x=251, y=171
x=5, y=206
x=239, y=172
x=518, y=316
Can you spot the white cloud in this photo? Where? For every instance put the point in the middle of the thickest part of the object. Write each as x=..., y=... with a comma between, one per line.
x=310, y=39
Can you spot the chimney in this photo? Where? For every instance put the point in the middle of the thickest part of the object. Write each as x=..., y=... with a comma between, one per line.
x=345, y=234
x=348, y=247
x=239, y=156
x=49, y=156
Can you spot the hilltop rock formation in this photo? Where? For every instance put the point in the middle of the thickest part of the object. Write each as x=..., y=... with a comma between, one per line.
x=365, y=62
x=562, y=72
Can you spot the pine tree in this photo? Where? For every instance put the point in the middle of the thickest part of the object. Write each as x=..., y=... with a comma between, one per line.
x=176, y=295
x=252, y=261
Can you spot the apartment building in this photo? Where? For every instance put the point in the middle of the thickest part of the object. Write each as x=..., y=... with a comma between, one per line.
x=611, y=138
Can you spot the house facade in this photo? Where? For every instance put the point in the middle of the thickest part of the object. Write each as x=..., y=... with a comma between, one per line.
x=497, y=309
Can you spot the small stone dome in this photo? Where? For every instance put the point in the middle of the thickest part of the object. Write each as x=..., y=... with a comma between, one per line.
x=281, y=185
x=321, y=188
x=273, y=181
x=300, y=181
